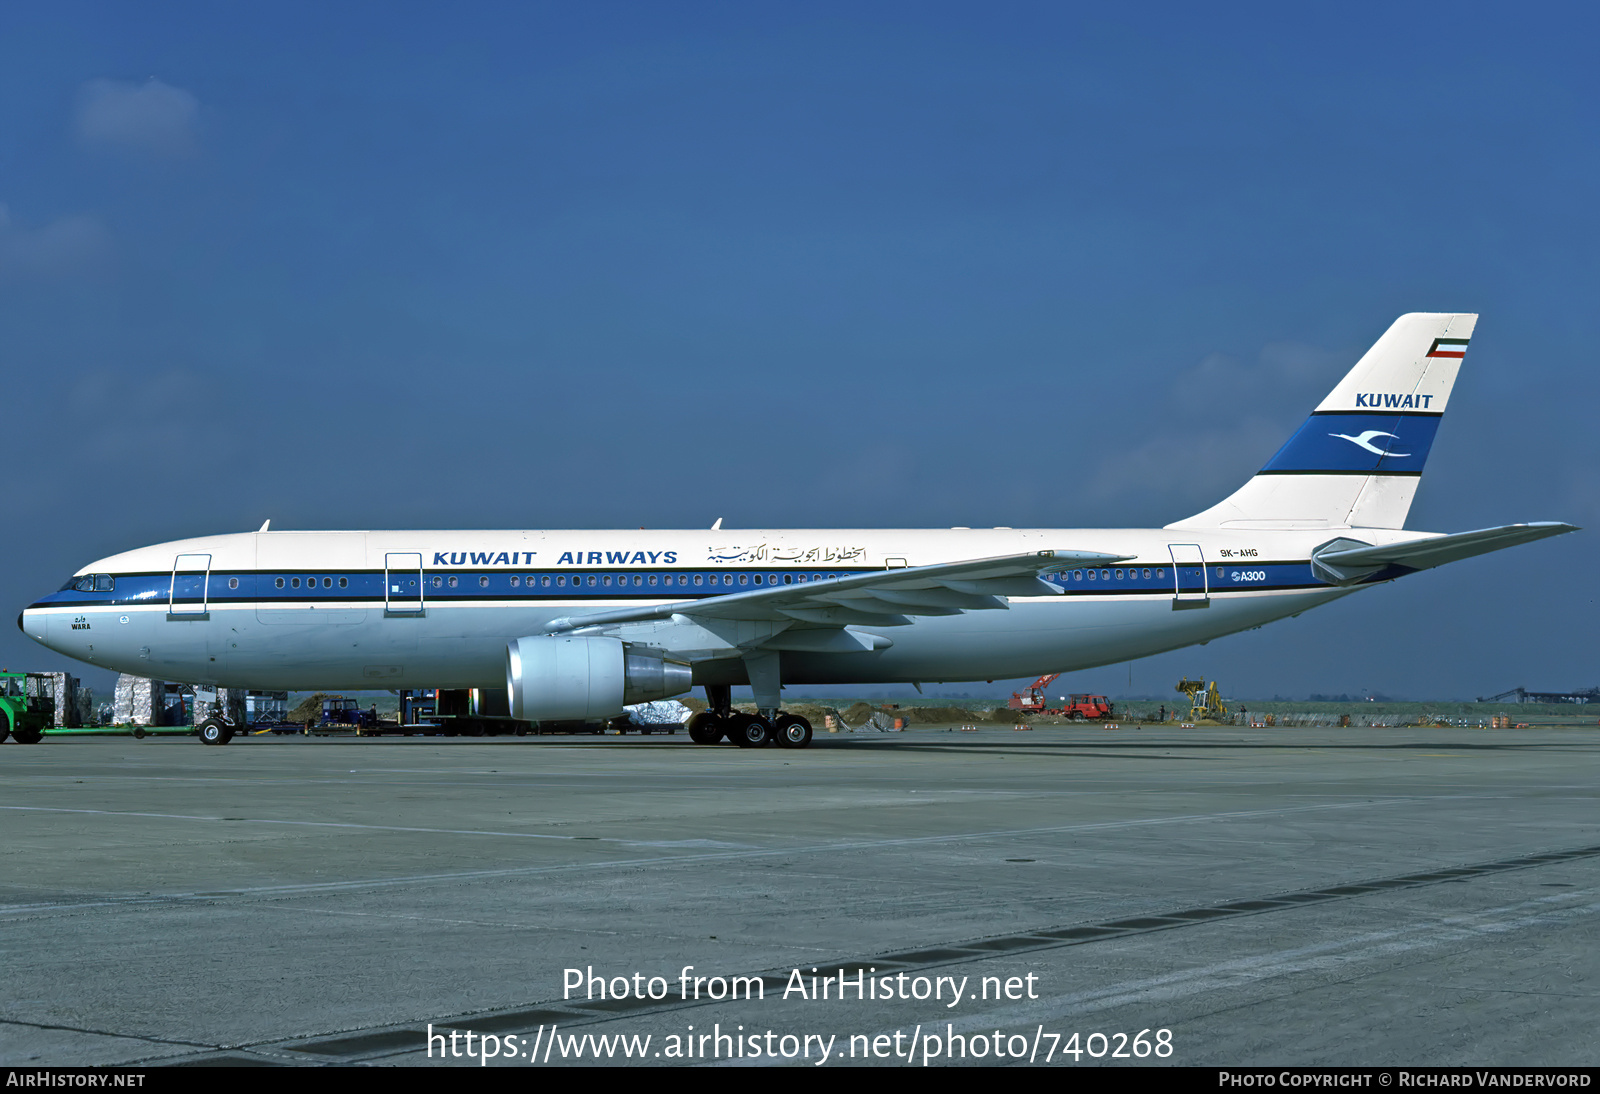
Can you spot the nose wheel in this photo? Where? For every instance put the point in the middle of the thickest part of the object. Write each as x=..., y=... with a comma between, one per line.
x=214, y=731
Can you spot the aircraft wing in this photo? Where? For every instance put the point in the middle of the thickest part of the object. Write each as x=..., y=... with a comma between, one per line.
x=884, y=598
x=1354, y=562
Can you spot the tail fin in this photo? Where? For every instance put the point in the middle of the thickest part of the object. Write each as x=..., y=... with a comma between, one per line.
x=1357, y=460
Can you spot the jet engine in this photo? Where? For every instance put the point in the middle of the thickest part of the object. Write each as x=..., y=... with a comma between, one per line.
x=567, y=678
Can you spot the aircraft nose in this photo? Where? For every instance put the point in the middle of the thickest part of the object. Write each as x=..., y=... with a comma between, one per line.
x=31, y=623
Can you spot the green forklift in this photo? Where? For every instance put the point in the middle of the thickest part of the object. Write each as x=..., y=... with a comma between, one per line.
x=25, y=716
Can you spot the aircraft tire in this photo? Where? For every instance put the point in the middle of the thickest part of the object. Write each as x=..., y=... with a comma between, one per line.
x=213, y=731
x=792, y=731
x=705, y=728
x=750, y=731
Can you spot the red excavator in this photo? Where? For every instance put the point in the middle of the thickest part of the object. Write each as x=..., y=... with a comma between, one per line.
x=1078, y=707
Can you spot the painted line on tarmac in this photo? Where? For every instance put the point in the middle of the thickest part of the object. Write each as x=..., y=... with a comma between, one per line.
x=1328, y=956
x=389, y=1041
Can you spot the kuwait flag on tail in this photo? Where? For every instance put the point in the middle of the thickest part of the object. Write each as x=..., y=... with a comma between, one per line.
x=1449, y=347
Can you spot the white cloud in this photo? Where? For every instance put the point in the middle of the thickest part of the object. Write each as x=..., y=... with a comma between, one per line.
x=63, y=248
x=151, y=117
x=1223, y=419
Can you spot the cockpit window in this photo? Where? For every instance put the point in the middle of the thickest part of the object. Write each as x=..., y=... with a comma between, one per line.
x=91, y=583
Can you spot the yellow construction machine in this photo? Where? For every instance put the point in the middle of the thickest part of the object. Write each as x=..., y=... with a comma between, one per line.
x=1205, y=702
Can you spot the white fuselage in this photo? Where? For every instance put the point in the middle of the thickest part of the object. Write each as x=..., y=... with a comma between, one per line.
x=388, y=610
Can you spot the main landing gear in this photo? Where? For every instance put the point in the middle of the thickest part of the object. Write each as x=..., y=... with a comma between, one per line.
x=720, y=720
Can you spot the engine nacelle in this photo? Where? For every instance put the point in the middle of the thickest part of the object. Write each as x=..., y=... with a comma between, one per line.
x=569, y=678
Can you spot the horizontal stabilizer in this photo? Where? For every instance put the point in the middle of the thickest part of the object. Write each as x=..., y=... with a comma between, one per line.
x=1343, y=561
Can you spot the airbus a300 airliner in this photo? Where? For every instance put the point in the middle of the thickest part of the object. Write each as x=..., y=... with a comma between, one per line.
x=576, y=624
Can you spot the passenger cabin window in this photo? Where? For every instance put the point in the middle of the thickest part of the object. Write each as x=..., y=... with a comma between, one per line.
x=453, y=581
x=483, y=583
x=344, y=583
x=438, y=582
x=233, y=583
x=279, y=582
x=294, y=583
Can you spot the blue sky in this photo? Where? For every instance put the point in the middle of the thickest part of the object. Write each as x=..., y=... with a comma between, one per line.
x=612, y=265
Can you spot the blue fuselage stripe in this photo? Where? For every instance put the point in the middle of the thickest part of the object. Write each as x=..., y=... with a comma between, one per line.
x=266, y=589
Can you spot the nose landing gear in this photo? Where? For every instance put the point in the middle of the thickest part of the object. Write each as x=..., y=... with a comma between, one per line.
x=214, y=731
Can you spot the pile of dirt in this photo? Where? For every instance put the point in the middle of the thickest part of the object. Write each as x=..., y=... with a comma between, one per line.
x=309, y=709
x=859, y=712
x=811, y=712
x=1006, y=716
x=941, y=716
